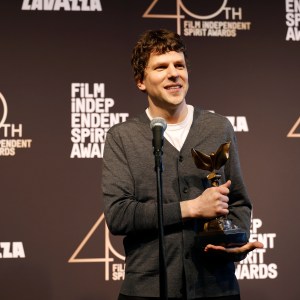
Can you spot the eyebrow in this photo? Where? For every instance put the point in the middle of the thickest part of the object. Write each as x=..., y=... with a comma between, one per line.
x=179, y=61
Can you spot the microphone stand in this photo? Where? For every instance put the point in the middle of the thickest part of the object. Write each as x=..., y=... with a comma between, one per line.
x=162, y=261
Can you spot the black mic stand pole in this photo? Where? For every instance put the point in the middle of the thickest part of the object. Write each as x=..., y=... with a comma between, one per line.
x=162, y=260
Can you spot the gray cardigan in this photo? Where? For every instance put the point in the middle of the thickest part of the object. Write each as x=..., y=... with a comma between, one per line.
x=130, y=206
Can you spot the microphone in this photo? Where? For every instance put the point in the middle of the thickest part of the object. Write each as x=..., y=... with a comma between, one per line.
x=158, y=126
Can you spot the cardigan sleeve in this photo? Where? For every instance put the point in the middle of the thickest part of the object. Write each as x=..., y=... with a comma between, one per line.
x=124, y=213
x=239, y=203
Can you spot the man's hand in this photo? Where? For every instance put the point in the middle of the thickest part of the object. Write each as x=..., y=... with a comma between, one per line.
x=213, y=202
x=238, y=253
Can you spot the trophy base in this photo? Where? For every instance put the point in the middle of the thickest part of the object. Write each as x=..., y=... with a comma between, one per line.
x=227, y=238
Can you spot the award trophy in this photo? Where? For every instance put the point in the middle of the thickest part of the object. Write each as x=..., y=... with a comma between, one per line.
x=219, y=231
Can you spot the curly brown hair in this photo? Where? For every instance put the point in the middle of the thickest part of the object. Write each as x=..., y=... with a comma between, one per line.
x=154, y=41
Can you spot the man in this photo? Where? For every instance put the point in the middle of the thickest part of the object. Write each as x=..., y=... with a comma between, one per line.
x=160, y=68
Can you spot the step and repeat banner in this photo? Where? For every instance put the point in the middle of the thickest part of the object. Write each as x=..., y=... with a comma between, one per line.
x=66, y=79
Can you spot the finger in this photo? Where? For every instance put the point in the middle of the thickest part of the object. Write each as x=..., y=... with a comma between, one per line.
x=237, y=250
x=223, y=205
x=224, y=199
x=246, y=248
x=224, y=188
x=214, y=247
x=226, y=184
x=255, y=245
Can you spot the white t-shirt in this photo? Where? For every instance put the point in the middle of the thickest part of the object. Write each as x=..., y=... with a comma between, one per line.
x=177, y=133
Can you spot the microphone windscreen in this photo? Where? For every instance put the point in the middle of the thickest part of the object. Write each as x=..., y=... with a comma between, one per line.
x=158, y=122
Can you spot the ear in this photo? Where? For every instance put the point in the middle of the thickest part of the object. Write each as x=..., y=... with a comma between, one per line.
x=141, y=85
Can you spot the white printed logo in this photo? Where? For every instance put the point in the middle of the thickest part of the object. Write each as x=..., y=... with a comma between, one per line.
x=239, y=123
x=12, y=133
x=254, y=265
x=66, y=5
x=12, y=250
x=293, y=131
x=113, y=261
x=91, y=119
x=292, y=20
x=198, y=18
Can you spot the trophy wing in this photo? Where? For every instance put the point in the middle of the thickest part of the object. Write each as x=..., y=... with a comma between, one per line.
x=222, y=155
x=202, y=161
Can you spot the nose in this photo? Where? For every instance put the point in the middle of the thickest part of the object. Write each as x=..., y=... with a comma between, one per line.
x=172, y=71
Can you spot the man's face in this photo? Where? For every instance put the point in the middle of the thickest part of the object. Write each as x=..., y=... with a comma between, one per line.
x=166, y=79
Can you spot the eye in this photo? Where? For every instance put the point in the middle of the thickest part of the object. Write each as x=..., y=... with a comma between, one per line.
x=160, y=68
x=180, y=66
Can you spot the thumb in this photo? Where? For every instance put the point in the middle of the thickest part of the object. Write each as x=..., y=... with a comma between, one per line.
x=224, y=188
x=226, y=184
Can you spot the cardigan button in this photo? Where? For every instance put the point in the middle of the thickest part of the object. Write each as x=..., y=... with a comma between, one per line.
x=185, y=190
x=181, y=158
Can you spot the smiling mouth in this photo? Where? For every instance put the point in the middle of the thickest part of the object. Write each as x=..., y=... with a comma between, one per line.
x=173, y=87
